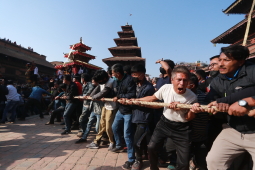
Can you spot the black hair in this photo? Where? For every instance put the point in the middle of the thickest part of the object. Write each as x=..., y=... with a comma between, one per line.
x=170, y=63
x=193, y=79
x=100, y=75
x=127, y=69
x=67, y=77
x=86, y=77
x=118, y=68
x=213, y=57
x=62, y=86
x=138, y=68
x=238, y=52
x=109, y=70
x=201, y=73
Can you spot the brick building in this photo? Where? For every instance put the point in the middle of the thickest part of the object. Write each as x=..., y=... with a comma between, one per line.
x=13, y=60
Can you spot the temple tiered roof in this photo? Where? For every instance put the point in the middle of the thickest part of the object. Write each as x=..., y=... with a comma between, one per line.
x=127, y=51
x=236, y=32
x=239, y=7
x=79, y=57
x=235, y=35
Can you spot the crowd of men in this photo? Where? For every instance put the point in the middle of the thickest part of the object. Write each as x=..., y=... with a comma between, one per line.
x=214, y=138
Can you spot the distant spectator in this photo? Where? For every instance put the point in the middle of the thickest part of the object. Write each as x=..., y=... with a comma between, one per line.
x=201, y=75
x=12, y=102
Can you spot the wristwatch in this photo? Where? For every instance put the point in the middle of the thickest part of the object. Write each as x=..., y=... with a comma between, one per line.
x=243, y=103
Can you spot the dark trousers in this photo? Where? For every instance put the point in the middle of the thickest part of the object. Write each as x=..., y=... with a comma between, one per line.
x=141, y=139
x=77, y=114
x=57, y=114
x=179, y=133
x=2, y=106
x=168, y=152
x=30, y=103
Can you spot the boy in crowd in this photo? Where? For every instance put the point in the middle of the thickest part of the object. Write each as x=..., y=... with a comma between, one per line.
x=142, y=116
x=126, y=88
x=108, y=111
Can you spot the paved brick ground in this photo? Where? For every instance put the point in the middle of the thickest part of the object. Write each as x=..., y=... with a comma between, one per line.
x=32, y=145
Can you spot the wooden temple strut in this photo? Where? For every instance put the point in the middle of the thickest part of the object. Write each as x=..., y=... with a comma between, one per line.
x=182, y=106
x=248, y=24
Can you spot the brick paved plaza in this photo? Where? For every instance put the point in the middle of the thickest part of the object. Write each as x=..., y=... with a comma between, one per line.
x=32, y=145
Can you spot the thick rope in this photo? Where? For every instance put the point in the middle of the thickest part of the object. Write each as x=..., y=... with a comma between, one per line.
x=182, y=106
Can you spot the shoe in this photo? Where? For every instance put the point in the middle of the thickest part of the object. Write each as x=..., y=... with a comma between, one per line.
x=66, y=132
x=48, y=123
x=117, y=150
x=92, y=146
x=10, y=122
x=127, y=165
x=111, y=146
x=81, y=141
x=63, y=123
x=80, y=134
x=170, y=167
x=137, y=165
x=2, y=122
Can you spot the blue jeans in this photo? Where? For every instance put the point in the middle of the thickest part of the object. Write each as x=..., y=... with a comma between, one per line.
x=84, y=118
x=124, y=122
x=10, y=107
x=92, y=119
x=69, y=111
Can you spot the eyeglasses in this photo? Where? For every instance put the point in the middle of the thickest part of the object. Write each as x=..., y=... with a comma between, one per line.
x=212, y=65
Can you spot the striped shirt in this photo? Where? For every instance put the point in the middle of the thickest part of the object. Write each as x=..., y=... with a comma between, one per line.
x=200, y=122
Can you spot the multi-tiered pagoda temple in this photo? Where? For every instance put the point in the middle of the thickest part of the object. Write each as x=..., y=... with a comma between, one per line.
x=235, y=34
x=79, y=57
x=127, y=51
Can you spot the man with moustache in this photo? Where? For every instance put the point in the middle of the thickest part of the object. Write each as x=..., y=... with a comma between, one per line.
x=238, y=135
x=174, y=123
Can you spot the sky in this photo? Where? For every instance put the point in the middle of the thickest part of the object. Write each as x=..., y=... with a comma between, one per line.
x=168, y=29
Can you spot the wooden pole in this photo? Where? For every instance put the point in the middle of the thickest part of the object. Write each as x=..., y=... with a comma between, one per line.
x=248, y=24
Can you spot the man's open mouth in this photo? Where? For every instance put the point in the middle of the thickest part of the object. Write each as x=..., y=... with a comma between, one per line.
x=180, y=89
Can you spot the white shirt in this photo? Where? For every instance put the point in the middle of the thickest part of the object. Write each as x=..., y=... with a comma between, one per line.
x=109, y=105
x=36, y=71
x=167, y=93
x=12, y=94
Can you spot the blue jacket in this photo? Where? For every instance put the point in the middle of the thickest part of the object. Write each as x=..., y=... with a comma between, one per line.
x=37, y=93
x=143, y=114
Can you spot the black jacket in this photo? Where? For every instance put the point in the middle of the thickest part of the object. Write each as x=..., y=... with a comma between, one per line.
x=126, y=88
x=244, y=93
x=143, y=114
x=222, y=87
x=71, y=91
